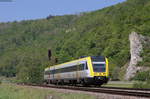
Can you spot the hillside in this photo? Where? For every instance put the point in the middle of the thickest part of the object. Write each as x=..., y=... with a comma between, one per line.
x=24, y=45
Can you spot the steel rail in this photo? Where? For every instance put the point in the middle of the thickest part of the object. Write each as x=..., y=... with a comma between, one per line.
x=140, y=89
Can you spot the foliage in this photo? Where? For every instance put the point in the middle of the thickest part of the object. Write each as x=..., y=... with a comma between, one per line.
x=115, y=74
x=122, y=71
x=141, y=85
x=24, y=45
x=142, y=76
x=145, y=55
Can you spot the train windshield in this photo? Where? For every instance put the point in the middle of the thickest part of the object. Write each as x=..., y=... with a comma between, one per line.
x=99, y=67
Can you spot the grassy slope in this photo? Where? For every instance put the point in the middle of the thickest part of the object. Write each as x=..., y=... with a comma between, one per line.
x=9, y=91
x=23, y=45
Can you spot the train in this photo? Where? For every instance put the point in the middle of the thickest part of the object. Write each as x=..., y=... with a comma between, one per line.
x=90, y=70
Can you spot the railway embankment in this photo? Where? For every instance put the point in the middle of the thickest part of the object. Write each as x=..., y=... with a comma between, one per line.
x=100, y=93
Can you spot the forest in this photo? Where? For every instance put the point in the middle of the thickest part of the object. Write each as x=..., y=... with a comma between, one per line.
x=24, y=45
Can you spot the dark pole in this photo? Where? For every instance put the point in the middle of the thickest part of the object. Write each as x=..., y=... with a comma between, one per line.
x=56, y=60
x=49, y=54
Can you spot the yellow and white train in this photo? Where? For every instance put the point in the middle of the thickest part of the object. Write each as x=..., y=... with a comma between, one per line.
x=92, y=70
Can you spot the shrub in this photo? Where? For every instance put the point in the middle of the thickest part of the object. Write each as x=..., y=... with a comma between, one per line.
x=142, y=76
x=141, y=85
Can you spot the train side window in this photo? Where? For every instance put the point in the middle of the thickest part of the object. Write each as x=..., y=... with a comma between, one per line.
x=82, y=66
x=53, y=71
x=57, y=71
x=47, y=72
x=85, y=66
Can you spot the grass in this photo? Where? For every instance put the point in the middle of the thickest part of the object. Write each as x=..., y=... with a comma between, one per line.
x=119, y=84
x=10, y=91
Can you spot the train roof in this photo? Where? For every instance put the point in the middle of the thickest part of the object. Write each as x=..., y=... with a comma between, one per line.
x=94, y=58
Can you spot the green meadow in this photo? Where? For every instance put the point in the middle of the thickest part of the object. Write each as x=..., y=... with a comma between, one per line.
x=11, y=91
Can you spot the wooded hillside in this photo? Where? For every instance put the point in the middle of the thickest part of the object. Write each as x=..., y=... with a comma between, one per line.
x=24, y=45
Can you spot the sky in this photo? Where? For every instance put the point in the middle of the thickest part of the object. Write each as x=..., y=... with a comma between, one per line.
x=18, y=10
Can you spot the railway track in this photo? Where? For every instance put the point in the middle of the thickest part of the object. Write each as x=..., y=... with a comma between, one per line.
x=137, y=89
x=109, y=90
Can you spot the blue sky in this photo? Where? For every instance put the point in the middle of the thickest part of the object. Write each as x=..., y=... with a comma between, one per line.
x=36, y=9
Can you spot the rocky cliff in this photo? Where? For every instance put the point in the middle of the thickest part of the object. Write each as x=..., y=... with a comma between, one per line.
x=136, y=48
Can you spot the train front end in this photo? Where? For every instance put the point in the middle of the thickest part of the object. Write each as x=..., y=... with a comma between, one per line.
x=99, y=70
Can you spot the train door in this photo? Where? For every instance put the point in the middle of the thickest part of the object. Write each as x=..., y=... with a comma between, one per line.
x=77, y=72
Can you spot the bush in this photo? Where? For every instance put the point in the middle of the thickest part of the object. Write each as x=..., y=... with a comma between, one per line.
x=141, y=85
x=0, y=81
x=142, y=76
x=115, y=74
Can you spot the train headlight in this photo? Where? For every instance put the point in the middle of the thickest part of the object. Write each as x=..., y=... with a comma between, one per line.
x=99, y=77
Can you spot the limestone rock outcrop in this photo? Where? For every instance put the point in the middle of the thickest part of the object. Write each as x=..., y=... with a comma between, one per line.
x=135, y=50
